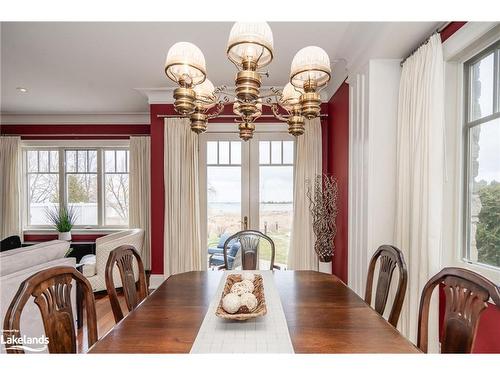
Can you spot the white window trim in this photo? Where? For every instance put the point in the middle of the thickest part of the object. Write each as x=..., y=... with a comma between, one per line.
x=69, y=144
x=463, y=45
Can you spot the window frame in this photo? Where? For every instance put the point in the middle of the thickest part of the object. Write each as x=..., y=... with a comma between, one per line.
x=62, y=147
x=467, y=127
x=102, y=176
x=25, y=180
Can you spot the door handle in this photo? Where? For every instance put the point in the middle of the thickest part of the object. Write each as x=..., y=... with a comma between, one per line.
x=245, y=222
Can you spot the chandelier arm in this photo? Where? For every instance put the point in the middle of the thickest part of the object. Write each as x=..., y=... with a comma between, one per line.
x=268, y=95
x=218, y=110
x=276, y=113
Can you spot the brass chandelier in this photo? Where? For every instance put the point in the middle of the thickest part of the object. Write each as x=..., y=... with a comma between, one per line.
x=249, y=48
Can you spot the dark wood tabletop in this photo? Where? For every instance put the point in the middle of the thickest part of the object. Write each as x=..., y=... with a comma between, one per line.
x=322, y=313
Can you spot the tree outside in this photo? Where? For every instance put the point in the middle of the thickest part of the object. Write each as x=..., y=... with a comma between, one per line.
x=488, y=226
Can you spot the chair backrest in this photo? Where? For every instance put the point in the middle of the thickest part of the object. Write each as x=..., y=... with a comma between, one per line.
x=105, y=244
x=467, y=294
x=390, y=257
x=123, y=258
x=51, y=289
x=249, y=249
x=9, y=243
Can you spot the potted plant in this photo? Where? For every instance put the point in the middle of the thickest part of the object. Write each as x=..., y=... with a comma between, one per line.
x=323, y=196
x=63, y=219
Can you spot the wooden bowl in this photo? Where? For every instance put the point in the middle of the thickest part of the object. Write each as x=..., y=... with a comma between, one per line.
x=243, y=313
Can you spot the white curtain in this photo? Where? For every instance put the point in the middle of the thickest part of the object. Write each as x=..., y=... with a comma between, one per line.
x=183, y=250
x=10, y=186
x=308, y=164
x=140, y=192
x=420, y=176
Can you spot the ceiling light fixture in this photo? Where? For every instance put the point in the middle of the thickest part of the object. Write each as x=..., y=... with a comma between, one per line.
x=22, y=89
x=249, y=48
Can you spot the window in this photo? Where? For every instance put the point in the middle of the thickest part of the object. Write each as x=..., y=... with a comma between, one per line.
x=81, y=185
x=482, y=145
x=92, y=180
x=116, y=187
x=42, y=183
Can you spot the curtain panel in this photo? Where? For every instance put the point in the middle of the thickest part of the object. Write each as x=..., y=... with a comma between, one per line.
x=140, y=192
x=182, y=238
x=307, y=164
x=10, y=186
x=420, y=177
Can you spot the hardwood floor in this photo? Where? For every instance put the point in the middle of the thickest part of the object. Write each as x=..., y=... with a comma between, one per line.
x=105, y=319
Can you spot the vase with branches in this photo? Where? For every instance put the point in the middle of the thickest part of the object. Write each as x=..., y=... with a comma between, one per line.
x=322, y=194
x=63, y=219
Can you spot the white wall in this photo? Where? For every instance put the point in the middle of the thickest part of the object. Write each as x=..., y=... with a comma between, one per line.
x=372, y=163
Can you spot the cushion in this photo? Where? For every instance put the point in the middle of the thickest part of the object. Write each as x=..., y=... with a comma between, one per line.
x=223, y=239
x=30, y=248
x=89, y=268
x=234, y=249
x=26, y=257
x=214, y=250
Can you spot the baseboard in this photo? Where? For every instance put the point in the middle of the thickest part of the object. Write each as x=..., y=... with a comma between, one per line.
x=155, y=281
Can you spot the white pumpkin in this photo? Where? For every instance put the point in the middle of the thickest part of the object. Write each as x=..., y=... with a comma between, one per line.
x=231, y=303
x=248, y=300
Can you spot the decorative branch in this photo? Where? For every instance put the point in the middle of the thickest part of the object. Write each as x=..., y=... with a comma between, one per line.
x=323, y=197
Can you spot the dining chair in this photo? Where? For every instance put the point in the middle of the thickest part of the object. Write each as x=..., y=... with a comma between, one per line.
x=51, y=290
x=123, y=257
x=390, y=257
x=9, y=243
x=467, y=294
x=249, y=241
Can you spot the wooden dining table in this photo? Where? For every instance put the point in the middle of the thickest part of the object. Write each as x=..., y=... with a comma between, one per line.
x=323, y=316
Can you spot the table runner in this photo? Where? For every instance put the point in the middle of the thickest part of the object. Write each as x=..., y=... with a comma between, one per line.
x=264, y=334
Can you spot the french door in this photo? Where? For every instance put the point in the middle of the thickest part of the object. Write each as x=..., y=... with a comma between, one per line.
x=247, y=185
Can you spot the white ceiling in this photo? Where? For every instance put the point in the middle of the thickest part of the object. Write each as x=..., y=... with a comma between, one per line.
x=98, y=67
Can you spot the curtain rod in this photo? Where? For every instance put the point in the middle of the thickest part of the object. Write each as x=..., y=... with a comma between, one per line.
x=225, y=116
x=437, y=31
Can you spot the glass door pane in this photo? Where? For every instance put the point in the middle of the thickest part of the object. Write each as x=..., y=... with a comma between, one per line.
x=223, y=192
x=275, y=198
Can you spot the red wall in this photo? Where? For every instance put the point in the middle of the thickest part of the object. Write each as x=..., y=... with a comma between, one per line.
x=451, y=29
x=157, y=190
x=338, y=165
x=66, y=131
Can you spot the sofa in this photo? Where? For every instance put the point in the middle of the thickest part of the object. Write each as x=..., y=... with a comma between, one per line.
x=94, y=266
x=17, y=265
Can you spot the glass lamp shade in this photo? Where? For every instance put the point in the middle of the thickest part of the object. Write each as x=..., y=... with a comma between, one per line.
x=205, y=94
x=310, y=63
x=185, y=64
x=291, y=96
x=250, y=40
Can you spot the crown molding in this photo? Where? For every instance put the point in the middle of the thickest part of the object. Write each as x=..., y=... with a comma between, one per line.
x=165, y=95
x=465, y=39
x=158, y=95
x=75, y=118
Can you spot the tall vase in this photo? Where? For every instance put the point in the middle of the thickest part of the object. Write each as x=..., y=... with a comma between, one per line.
x=65, y=236
x=325, y=267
